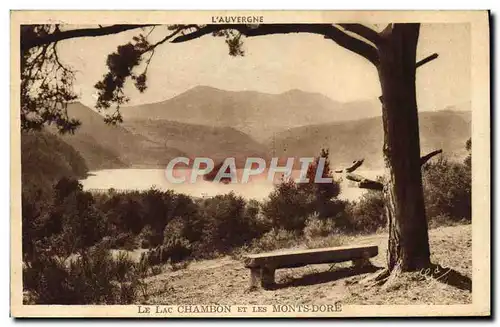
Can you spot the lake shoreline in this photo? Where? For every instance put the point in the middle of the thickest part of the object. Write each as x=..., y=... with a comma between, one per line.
x=259, y=188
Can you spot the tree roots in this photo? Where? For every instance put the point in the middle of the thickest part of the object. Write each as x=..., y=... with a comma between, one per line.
x=386, y=278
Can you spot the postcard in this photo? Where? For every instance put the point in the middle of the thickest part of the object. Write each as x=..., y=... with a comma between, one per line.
x=250, y=164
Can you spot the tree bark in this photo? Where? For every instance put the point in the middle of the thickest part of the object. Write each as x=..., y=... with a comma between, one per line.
x=408, y=247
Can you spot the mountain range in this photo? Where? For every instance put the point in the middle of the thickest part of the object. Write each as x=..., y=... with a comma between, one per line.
x=112, y=146
x=347, y=141
x=209, y=122
x=254, y=113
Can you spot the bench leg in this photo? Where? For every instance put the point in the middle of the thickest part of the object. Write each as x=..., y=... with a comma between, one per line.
x=254, y=277
x=267, y=277
x=261, y=277
x=361, y=263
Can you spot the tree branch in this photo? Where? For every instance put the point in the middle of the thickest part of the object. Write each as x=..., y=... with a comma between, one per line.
x=365, y=182
x=426, y=60
x=56, y=58
x=329, y=31
x=428, y=156
x=355, y=177
x=362, y=181
x=364, y=32
x=171, y=35
x=35, y=41
x=355, y=165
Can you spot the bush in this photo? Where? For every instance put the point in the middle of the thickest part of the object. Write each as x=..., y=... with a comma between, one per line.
x=316, y=227
x=93, y=278
x=320, y=233
x=257, y=223
x=72, y=222
x=177, y=246
x=447, y=190
x=445, y=220
x=187, y=211
x=174, y=230
x=125, y=241
x=227, y=223
x=46, y=280
x=367, y=215
x=174, y=251
x=276, y=239
x=178, y=249
x=145, y=237
x=288, y=206
x=124, y=212
x=157, y=211
x=325, y=242
x=291, y=203
x=35, y=204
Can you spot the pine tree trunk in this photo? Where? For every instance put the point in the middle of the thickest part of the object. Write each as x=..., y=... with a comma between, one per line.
x=408, y=247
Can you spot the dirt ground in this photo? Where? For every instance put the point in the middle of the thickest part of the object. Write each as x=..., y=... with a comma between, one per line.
x=226, y=281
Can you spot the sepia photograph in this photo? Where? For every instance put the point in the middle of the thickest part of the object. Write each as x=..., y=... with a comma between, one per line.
x=251, y=164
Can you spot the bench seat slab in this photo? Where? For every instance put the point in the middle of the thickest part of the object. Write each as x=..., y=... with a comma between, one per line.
x=298, y=258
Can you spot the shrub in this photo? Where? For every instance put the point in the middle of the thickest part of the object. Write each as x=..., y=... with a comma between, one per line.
x=332, y=240
x=35, y=204
x=468, y=159
x=323, y=193
x=447, y=190
x=73, y=223
x=93, y=278
x=174, y=251
x=257, y=224
x=320, y=233
x=46, y=279
x=187, y=210
x=291, y=203
x=445, y=220
x=124, y=212
x=316, y=227
x=128, y=279
x=146, y=237
x=157, y=209
x=178, y=249
x=97, y=278
x=276, y=239
x=226, y=224
x=367, y=215
x=124, y=241
x=288, y=206
x=173, y=230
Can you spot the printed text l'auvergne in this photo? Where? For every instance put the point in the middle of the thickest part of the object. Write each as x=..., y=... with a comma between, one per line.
x=237, y=19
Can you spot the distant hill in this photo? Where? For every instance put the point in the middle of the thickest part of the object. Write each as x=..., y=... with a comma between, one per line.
x=255, y=113
x=106, y=146
x=153, y=142
x=363, y=138
x=217, y=143
x=45, y=159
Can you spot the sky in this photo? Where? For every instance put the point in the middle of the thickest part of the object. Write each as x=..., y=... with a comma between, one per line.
x=276, y=64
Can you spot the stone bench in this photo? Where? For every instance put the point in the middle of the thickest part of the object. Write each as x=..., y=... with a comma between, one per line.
x=263, y=265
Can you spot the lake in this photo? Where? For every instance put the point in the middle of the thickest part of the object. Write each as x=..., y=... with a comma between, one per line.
x=257, y=188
